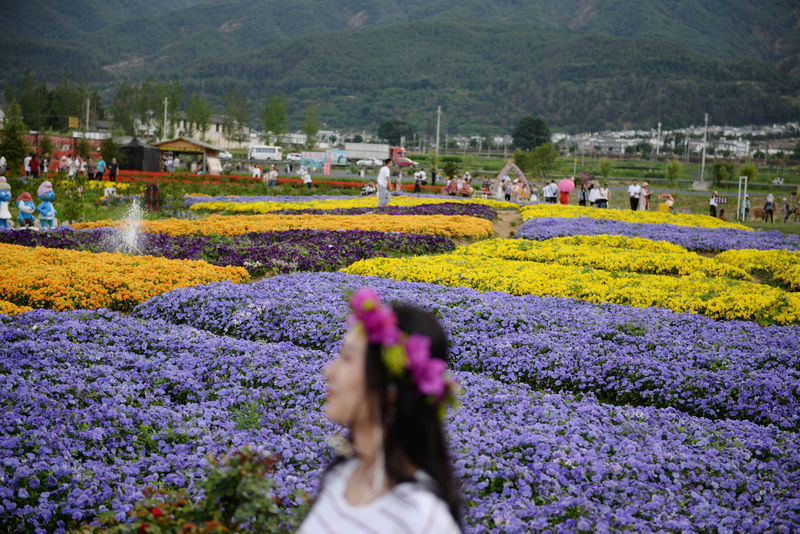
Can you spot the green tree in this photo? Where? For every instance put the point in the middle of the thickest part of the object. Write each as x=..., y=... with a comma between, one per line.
x=66, y=100
x=275, y=115
x=545, y=158
x=12, y=138
x=531, y=132
x=33, y=101
x=721, y=171
x=525, y=161
x=111, y=149
x=605, y=167
x=673, y=171
x=83, y=148
x=236, y=115
x=393, y=131
x=311, y=125
x=198, y=115
x=750, y=170
x=123, y=107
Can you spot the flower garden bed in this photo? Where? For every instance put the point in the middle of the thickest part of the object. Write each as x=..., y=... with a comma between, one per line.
x=610, y=253
x=691, y=238
x=269, y=205
x=647, y=356
x=158, y=397
x=259, y=253
x=68, y=279
x=443, y=225
x=717, y=297
x=652, y=217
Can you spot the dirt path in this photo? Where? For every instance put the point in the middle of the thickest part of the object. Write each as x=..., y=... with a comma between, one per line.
x=507, y=223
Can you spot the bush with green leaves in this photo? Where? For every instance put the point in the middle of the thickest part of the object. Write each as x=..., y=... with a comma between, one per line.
x=237, y=496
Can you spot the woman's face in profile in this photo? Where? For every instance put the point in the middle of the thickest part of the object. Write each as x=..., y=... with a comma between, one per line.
x=346, y=395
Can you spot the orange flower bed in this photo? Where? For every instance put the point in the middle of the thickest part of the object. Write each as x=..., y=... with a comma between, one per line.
x=226, y=225
x=62, y=279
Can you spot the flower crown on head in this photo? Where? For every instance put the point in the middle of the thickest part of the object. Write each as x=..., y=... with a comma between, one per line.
x=402, y=354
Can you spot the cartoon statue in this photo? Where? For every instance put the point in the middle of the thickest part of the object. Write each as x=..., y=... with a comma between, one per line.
x=26, y=207
x=47, y=213
x=5, y=197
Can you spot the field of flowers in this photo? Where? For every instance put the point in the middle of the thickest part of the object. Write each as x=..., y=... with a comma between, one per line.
x=613, y=379
x=267, y=205
x=69, y=279
x=556, y=210
x=223, y=225
x=258, y=252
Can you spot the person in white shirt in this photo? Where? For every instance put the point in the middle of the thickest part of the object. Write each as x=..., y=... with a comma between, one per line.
x=27, y=163
x=423, y=178
x=384, y=182
x=712, y=205
x=602, y=196
x=634, y=191
x=273, y=176
x=388, y=387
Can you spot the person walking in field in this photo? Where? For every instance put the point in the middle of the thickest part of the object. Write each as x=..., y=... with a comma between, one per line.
x=634, y=192
x=384, y=183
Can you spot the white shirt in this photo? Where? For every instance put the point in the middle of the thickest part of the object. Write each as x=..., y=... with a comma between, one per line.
x=408, y=508
x=713, y=202
x=27, y=163
x=634, y=191
x=603, y=193
x=383, y=176
x=422, y=175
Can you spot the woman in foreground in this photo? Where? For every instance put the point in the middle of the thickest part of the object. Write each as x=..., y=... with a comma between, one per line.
x=389, y=387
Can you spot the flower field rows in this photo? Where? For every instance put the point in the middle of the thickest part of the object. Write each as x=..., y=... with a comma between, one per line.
x=67, y=279
x=689, y=237
x=613, y=379
x=443, y=225
x=241, y=205
x=556, y=210
x=779, y=266
x=626, y=355
x=259, y=253
x=717, y=297
x=610, y=253
x=172, y=394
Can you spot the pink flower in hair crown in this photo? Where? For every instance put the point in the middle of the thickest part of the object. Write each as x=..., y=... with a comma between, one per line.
x=400, y=352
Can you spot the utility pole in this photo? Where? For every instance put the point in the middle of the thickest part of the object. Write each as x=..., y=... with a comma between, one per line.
x=703, y=164
x=164, y=133
x=87, y=114
x=658, y=140
x=438, y=121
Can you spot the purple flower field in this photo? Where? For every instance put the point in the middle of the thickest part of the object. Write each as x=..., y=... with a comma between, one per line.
x=624, y=355
x=99, y=405
x=698, y=239
x=443, y=208
x=259, y=253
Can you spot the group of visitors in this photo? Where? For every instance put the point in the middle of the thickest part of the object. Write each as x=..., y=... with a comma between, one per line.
x=639, y=196
x=37, y=166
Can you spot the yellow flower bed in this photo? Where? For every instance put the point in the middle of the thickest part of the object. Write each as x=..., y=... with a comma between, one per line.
x=611, y=253
x=779, y=266
x=336, y=203
x=717, y=297
x=679, y=219
x=69, y=279
x=12, y=309
x=444, y=225
x=121, y=187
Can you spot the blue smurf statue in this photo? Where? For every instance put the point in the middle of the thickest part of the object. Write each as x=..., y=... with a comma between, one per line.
x=47, y=213
x=5, y=197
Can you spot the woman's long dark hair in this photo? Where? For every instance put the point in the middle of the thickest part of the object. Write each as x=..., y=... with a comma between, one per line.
x=414, y=433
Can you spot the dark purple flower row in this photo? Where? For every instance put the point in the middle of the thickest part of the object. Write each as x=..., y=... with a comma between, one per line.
x=443, y=208
x=692, y=238
x=259, y=253
x=624, y=355
x=96, y=406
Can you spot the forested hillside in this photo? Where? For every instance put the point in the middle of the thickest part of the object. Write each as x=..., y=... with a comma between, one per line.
x=579, y=63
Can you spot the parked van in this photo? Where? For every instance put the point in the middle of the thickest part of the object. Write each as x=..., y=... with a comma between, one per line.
x=265, y=153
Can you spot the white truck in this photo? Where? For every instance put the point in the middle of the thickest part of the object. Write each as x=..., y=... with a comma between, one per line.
x=357, y=151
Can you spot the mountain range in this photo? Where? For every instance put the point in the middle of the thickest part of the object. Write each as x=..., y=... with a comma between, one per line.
x=580, y=64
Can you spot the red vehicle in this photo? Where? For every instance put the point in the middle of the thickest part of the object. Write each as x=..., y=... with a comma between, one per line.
x=398, y=155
